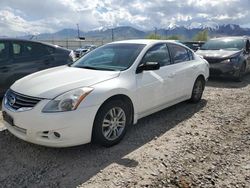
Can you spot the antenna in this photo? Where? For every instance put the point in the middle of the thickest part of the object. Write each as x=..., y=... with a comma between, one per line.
x=78, y=31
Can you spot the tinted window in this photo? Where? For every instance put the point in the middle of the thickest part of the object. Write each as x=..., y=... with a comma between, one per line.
x=159, y=53
x=226, y=43
x=4, y=51
x=30, y=49
x=179, y=53
x=22, y=49
x=38, y=50
x=110, y=57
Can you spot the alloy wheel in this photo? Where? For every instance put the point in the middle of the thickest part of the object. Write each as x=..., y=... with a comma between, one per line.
x=114, y=123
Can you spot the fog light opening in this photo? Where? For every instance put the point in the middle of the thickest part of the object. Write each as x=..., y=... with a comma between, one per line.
x=57, y=135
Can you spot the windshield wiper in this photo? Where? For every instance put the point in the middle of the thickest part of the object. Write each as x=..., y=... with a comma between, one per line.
x=96, y=68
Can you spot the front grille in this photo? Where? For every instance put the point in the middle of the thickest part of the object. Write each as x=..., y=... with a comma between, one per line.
x=213, y=61
x=17, y=101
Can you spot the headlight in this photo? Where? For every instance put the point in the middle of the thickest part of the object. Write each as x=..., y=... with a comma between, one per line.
x=231, y=60
x=68, y=101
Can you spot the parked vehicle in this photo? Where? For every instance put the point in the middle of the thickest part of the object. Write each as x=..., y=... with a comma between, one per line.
x=194, y=45
x=19, y=58
x=82, y=51
x=103, y=92
x=227, y=56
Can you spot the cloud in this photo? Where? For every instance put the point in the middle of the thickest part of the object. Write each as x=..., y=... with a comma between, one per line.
x=29, y=16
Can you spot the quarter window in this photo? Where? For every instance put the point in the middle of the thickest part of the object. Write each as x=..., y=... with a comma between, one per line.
x=179, y=53
x=159, y=53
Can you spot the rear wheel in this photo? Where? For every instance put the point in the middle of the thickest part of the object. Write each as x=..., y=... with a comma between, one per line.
x=198, y=89
x=111, y=123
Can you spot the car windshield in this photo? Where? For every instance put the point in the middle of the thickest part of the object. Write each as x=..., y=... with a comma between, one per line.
x=225, y=44
x=114, y=57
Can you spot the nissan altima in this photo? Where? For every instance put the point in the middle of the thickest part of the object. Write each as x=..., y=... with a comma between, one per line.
x=97, y=97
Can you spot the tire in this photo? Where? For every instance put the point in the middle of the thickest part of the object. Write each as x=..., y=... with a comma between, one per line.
x=197, y=91
x=111, y=123
x=241, y=73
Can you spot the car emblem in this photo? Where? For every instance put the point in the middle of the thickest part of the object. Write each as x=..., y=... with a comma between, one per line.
x=12, y=100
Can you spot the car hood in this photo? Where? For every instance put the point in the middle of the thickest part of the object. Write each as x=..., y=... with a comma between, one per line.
x=55, y=81
x=220, y=54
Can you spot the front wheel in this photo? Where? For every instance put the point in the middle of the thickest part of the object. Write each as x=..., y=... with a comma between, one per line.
x=241, y=73
x=198, y=89
x=111, y=123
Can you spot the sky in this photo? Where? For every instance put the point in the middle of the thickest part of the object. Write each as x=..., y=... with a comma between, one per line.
x=22, y=17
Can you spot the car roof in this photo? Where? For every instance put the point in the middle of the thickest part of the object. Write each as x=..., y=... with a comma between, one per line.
x=231, y=37
x=26, y=40
x=146, y=41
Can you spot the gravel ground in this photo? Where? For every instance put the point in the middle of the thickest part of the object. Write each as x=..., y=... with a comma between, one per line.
x=187, y=145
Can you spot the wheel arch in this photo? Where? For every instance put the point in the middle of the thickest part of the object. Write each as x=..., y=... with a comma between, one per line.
x=126, y=99
x=123, y=98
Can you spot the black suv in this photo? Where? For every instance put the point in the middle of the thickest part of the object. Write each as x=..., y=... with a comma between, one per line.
x=227, y=56
x=19, y=58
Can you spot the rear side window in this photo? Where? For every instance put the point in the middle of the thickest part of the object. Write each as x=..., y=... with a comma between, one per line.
x=31, y=49
x=22, y=49
x=4, y=51
x=179, y=53
x=158, y=53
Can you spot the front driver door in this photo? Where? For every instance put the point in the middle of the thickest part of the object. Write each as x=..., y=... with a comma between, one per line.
x=153, y=87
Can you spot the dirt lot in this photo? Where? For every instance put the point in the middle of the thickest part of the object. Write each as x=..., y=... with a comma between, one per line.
x=187, y=145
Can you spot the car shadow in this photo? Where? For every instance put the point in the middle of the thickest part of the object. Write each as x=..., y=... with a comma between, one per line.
x=24, y=164
x=221, y=82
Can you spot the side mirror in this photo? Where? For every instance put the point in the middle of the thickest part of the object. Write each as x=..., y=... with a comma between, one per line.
x=148, y=66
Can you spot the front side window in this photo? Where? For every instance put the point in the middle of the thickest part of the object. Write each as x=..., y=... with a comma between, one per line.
x=159, y=53
x=179, y=53
x=4, y=51
x=114, y=57
x=191, y=54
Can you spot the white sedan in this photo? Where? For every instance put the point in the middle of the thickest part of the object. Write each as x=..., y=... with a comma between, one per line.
x=101, y=94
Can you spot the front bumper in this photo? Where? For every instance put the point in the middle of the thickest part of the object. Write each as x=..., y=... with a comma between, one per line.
x=223, y=69
x=74, y=127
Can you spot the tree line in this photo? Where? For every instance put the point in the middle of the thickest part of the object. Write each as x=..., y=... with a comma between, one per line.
x=200, y=36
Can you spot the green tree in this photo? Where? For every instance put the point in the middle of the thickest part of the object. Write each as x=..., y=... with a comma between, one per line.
x=201, y=36
x=153, y=36
x=173, y=37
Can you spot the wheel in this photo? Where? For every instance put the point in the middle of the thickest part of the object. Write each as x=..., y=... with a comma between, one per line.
x=198, y=89
x=111, y=123
x=241, y=73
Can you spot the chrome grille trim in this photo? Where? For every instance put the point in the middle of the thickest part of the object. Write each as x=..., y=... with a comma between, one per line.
x=16, y=101
x=213, y=61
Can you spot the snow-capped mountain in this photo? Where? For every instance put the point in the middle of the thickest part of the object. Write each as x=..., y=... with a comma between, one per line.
x=126, y=32
x=206, y=25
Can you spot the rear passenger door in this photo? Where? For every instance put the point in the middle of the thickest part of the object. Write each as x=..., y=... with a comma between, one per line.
x=185, y=68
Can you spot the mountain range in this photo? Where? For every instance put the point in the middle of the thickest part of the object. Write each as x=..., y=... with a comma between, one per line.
x=127, y=32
